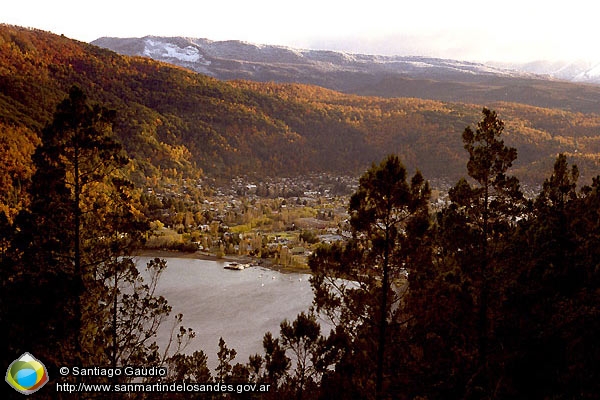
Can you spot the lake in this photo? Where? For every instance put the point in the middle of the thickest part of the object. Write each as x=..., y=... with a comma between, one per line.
x=240, y=306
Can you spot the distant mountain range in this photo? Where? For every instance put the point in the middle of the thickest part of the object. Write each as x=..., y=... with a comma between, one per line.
x=573, y=71
x=224, y=59
x=536, y=84
x=236, y=59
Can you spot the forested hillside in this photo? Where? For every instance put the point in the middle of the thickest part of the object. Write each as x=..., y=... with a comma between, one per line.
x=370, y=75
x=175, y=122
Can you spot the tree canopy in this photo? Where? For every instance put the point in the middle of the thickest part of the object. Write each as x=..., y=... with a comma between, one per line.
x=175, y=123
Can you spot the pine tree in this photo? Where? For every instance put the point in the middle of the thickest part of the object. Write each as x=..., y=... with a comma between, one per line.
x=57, y=243
x=486, y=211
x=71, y=250
x=551, y=309
x=303, y=339
x=361, y=285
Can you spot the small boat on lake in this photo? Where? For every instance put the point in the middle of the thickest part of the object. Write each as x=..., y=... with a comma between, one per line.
x=235, y=266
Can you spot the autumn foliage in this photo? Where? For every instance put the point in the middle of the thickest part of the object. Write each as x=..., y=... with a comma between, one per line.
x=173, y=122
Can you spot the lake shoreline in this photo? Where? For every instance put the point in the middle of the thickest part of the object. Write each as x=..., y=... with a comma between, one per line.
x=237, y=306
x=225, y=259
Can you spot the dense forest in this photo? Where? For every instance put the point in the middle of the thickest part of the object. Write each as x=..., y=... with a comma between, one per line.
x=493, y=295
x=172, y=121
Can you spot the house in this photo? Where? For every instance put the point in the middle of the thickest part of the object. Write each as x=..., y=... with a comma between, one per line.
x=298, y=251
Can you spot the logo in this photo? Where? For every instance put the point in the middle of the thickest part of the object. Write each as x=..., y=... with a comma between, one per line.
x=27, y=374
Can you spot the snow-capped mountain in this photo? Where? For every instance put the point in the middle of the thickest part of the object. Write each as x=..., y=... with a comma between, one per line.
x=577, y=71
x=235, y=59
x=373, y=75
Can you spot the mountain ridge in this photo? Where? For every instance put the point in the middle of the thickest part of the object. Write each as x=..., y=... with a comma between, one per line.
x=574, y=71
x=369, y=75
x=206, y=52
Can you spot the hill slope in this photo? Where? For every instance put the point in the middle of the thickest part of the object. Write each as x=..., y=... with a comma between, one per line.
x=388, y=76
x=176, y=122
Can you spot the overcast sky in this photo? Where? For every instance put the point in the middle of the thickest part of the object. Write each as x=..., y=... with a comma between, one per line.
x=475, y=30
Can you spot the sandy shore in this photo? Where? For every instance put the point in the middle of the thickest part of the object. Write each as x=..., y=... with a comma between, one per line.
x=228, y=258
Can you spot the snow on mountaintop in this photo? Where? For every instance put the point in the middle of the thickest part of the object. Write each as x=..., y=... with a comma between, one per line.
x=154, y=49
x=373, y=75
x=591, y=75
x=237, y=59
x=574, y=71
x=209, y=56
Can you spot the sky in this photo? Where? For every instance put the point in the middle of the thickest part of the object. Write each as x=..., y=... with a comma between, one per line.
x=469, y=30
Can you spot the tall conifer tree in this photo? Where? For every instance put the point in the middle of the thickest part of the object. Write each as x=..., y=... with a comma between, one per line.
x=69, y=256
x=360, y=286
x=488, y=208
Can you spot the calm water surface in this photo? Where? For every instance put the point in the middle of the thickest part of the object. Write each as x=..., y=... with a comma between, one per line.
x=240, y=306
